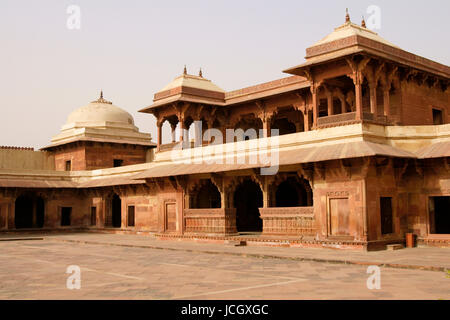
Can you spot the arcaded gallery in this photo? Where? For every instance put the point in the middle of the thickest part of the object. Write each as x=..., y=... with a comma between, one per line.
x=351, y=150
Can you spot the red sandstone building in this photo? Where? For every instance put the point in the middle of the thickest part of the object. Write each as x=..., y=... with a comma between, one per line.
x=362, y=157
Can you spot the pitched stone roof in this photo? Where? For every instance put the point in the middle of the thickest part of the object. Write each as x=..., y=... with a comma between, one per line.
x=350, y=29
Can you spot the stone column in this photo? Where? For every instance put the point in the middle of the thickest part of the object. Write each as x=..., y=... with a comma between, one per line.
x=330, y=103
x=387, y=102
x=315, y=104
x=358, y=96
x=159, y=136
x=181, y=122
x=373, y=99
x=265, y=192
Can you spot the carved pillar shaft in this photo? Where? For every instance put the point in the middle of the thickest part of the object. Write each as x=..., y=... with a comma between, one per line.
x=266, y=126
x=305, y=120
x=182, y=133
x=373, y=100
x=387, y=103
x=330, y=103
x=315, y=106
x=358, y=100
x=159, y=136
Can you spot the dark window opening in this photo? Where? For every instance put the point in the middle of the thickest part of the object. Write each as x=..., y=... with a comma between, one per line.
x=66, y=212
x=437, y=117
x=131, y=212
x=118, y=163
x=386, y=215
x=439, y=215
x=93, y=216
x=68, y=165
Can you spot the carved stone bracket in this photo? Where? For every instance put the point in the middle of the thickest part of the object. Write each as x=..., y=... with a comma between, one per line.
x=307, y=172
x=319, y=170
x=217, y=180
x=346, y=168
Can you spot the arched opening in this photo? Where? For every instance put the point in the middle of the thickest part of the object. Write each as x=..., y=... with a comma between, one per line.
x=170, y=126
x=248, y=198
x=250, y=127
x=207, y=196
x=23, y=214
x=284, y=126
x=116, y=211
x=292, y=193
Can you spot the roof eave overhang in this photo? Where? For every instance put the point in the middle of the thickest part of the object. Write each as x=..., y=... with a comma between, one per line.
x=358, y=44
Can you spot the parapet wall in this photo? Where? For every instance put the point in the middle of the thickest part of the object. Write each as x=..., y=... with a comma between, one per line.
x=25, y=158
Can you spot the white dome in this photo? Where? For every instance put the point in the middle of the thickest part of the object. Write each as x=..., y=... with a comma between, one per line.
x=100, y=111
x=100, y=121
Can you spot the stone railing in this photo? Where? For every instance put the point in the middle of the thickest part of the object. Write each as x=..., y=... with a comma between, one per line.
x=348, y=118
x=336, y=119
x=288, y=221
x=210, y=221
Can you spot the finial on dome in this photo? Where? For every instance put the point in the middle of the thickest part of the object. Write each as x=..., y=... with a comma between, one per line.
x=101, y=100
x=200, y=73
x=347, y=16
x=185, y=70
x=363, y=23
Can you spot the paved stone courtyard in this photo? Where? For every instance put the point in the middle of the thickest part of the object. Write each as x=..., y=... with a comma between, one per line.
x=37, y=270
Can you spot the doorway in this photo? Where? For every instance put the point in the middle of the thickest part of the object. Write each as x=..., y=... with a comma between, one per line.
x=116, y=211
x=248, y=198
x=439, y=215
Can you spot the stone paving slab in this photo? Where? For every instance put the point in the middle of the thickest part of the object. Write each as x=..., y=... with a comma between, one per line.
x=37, y=270
x=422, y=258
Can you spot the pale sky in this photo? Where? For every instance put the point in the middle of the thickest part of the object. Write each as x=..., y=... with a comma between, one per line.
x=131, y=49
